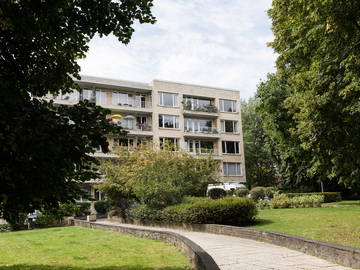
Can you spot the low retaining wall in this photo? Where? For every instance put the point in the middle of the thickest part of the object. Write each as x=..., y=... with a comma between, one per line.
x=199, y=259
x=343, y=255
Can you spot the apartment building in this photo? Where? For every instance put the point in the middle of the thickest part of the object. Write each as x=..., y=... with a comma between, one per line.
x=201, y=120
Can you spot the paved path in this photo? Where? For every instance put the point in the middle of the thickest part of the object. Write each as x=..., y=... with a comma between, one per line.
x=234, y=253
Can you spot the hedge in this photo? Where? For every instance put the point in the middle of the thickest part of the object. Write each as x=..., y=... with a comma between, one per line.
x=102, y=207
x=283, y=201
x=241, y=192
x=257, y=193
x=216, y=193
x=328, y=196
x=227, y=211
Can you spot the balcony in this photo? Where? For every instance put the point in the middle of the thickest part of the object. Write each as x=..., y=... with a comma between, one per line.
x=130, y=107
x=140, y=129
x=207, y=110
x=203, y=133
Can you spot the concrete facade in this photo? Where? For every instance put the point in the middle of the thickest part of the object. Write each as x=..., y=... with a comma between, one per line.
x=201, y=119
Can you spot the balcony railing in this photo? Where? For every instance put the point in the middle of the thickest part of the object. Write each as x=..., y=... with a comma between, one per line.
x=139, y=127
x=200, y=108
x=203, y=131
x=202, y=151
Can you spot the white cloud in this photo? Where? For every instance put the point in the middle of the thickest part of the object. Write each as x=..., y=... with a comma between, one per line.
x=208, y=42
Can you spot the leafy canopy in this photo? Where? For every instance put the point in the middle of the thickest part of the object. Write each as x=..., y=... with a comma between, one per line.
x=43, y=155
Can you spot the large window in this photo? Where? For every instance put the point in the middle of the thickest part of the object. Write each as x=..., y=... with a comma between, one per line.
x=232, y=169
x=122, y=99
x=168, y=99
x=171, y=143
x=126, y=123
x=229, y=126
x=227, y=105
x=88, y=94
x=230, y=147
x=100, y=97
x=199, y=147
x=168, y=121
x=72, y=96
x=194, y=125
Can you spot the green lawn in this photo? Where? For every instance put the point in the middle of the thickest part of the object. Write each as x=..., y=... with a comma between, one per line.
x=74, y=248
x=337, y=223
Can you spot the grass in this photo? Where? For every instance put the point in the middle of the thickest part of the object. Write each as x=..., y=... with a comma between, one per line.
x=74, y=248
x=337, y=223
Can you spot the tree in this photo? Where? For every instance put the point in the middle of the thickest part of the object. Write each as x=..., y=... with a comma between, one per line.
x=318, y=43
x=44, y=153
x=156, y=177
x=260, y=164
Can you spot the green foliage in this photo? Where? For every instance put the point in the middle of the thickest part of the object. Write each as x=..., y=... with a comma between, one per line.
x=328, y=196
x=283, y=201
x=82, y=209
x=227, y=211
x=261, y=204
x=257, y=193
x=156, y=177
x=260, y=162
x=318, y=60
x=41, y=42
x=47, y=220
x=241, y=192
x=102, y=207
x=216, y=193
x=5, y=228
x=269, y=192
x=143, y=212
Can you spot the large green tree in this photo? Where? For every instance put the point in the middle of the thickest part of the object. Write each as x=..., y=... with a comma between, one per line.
x=260, y=163
x=44, y=148
x=318, y=42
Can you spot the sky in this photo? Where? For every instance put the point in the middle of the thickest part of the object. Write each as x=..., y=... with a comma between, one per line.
x=207, y=42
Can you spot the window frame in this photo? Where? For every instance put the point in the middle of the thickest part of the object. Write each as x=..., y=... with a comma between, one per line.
x=100, y=97
x=225, y=150
x=238, y=169
x=233, y=105
x=174, y=99
x=175, y=121
x=235, y=126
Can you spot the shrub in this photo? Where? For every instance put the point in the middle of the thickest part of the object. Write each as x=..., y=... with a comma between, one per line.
x=102, y=207
x=241, y=192
x=5, y=228
x=217, y=193
x=142, y=212
x=328, y=196
x=257, y=193
x=227, y=211
x=46, y=220
x=261, y=204
x=269, y=191
x=82, y=209
x=283, y=201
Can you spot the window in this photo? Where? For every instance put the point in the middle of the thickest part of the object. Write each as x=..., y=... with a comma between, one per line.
x=192, y=103
x=125, y=142
x=199, y=147
x=140, y=101
x=229, y=147
x=172, y=143
x=168, y=99
x=87, y=94
x=122, y=99
x=72, y=96
x=229, y=126
x=232, y=169
x=227, y=105
x=201, y=125
x=126, y=123
x=168, y=121
x=100, y=97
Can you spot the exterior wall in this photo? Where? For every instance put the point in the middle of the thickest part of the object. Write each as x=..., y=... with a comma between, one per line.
x=152, y=110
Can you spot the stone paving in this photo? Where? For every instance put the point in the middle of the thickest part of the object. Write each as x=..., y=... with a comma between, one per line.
x=234, y=253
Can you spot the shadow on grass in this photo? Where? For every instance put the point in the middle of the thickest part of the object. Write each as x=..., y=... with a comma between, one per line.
x=68, y=267
x=260, y=221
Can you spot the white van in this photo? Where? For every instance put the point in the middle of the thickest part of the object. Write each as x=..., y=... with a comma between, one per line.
x=225, y=186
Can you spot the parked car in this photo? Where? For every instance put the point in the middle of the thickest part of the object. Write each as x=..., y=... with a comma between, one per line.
x=225, y=186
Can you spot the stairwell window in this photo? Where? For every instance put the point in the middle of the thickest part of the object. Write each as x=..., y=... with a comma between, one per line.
x=168, y=121
x=229, y=126
x=168, y=99
x=232, y=169
x=227, y=105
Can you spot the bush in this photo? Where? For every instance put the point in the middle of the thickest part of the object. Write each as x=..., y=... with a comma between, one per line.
x=46, y=220
x=5, y=228
x=257, y=193
x=82, y=209
x=227, y=211
x=142, y=212
x=328, y=196
x=283, y=201
x=241, y=192
x=269, y=191
x=261, y=204
x=216, y=193
x=102, y=207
